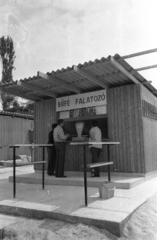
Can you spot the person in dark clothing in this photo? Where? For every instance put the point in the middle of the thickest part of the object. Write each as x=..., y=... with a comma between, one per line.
x=59, y=139
x=51, y=153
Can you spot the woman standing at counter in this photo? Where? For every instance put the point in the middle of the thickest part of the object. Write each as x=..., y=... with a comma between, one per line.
x=95, y=149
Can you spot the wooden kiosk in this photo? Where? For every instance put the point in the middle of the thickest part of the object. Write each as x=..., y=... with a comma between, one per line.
x=127, y=113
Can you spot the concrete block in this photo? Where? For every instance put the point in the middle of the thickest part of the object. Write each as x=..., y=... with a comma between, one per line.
x=21, y=159
x=24, y=158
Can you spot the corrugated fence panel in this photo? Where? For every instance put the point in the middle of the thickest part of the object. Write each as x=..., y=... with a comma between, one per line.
x=125, y=126
x=14, y=130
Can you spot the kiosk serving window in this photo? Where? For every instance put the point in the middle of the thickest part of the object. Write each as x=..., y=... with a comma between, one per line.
x=83, y=107
x=69, y=127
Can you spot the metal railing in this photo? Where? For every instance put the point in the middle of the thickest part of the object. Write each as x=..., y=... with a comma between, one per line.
x=108, y=143
x=25, y=164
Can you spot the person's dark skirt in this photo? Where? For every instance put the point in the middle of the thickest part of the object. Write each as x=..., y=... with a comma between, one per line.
x=95, y=152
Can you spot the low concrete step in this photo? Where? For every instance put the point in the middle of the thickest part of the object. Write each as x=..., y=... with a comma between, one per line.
x=120, y=182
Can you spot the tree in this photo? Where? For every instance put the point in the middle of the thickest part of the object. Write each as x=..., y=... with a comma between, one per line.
x=22, y=107
x=30, y=107
x=7, y=54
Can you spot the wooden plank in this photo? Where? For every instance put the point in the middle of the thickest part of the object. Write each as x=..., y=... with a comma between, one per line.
x=123, y=129
x=99, y=164
x=30, y=145
x=32, y=163
x=126, y=130
x=135, y=130
x=119, y=126
x=131, y=143
x=141, y=164
x=115, y=127
x=114, y=119
x=112, y=103
x=37, y=132
x=91, y=143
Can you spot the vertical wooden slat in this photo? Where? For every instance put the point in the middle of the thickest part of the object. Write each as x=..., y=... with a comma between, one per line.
x=121, y=126
x=110, y=118
x=117, y=130
x=129, y=125
x=136, y=130
x=141, y=165
x=115, y=123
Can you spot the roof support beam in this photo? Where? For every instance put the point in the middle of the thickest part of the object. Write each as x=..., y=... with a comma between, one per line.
x=59, y=82
x=124, y=71
x=146, y=82
x=18, y=94
x=36, y=89
x=89, y=77
x=145, y=68
x=139, y=53
x=9, y=85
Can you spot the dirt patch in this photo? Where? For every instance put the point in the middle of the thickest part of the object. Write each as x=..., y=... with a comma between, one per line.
x=51, y=229
x=143, y=223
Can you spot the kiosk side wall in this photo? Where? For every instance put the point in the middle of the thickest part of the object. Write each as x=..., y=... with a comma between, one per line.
x=125, y=126
x=149, y=119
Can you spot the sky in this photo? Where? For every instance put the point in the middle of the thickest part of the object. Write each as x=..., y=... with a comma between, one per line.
x=54, y=34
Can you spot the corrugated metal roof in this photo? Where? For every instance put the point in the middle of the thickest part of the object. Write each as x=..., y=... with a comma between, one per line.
x=90, y=76
x=16, y=114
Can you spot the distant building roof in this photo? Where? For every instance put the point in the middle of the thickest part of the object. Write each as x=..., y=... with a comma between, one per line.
x=14, y=114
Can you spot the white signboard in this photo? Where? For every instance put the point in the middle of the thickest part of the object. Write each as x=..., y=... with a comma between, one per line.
x=83, y=100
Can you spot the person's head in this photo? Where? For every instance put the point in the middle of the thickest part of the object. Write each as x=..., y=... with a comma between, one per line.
x=54, y=125
x=60, y=122
x=95, y=123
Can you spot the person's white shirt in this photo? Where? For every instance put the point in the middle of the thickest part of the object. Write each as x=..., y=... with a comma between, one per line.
x=95, y=136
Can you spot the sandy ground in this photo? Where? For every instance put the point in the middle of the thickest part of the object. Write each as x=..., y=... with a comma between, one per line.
x=141, y=226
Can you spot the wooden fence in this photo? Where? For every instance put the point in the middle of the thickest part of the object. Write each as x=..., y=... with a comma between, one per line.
x=15, y=130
